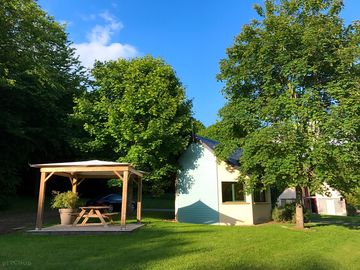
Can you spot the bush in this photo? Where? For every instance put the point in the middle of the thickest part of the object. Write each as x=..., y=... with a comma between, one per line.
x=288, y=213
x=351, y=210
x=353, y=202
x=64, y=200
x=283, y=214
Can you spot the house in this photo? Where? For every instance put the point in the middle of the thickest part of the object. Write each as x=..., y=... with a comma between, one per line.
x=329, y=203
x=207, y=190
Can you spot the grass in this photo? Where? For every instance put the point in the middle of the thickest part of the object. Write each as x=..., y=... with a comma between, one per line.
x=329, y=243
x=169, y=245
x=165, y=201
x=341, y=220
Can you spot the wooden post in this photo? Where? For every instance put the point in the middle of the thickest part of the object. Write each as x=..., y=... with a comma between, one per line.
x=124, y=198
x=40, y=210
x=74, y=184
x=139, y=200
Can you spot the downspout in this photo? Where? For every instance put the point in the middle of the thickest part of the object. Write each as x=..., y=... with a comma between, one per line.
x=217, y=188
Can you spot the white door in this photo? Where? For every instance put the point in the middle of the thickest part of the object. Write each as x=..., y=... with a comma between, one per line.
x=330, y=207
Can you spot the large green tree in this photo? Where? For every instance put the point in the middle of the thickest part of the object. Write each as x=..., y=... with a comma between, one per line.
x=39, y=77
x=212, y=132
x=136, y=113
x=292, y=89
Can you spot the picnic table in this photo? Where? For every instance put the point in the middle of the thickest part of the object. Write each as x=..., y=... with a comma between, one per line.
x=100, y=212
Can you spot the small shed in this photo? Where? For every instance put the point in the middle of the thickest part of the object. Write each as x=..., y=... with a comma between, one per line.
x=77, y=172
x=331, y=202
x=208, y=191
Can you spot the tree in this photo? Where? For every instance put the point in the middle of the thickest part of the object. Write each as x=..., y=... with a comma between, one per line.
x=212, y=132
x=292, y=89
x=39, y=77
x=136, y=113
x=197, y=126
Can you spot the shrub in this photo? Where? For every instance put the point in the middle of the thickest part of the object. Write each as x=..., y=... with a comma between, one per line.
x=280, y=214
x=353, y=202
x=351, y=210
x=64, y=200
x=288, y=213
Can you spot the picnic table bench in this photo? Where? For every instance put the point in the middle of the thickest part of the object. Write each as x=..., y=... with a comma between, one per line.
x=98, y=212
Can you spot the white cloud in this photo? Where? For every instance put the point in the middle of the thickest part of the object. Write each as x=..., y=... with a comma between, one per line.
x=65, y=23
x=99, y=46
x=89, y=52
x=113, y=23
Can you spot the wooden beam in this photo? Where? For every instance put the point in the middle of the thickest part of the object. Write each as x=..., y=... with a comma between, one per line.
x=40, y=210
x=47, y=178
x=139, y=201
x=136, y=172
x=136, y=181
x=118, y=175
x=71, y=181
x=80, y=175
x=80, y=181
x=62, y=174
x=124, y=199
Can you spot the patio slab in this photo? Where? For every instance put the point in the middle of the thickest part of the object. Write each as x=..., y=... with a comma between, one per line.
x=87, y=229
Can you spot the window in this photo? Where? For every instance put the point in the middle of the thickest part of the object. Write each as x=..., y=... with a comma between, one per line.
x=232, y=192
x=260, y=195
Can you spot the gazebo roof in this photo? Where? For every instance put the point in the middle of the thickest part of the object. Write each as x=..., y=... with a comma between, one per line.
x=88, y=169
x=87, y=163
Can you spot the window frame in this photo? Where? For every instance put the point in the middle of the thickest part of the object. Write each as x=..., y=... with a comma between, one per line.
x=260, y=191
x=233, y=192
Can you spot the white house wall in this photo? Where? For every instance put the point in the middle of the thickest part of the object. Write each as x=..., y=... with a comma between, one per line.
x=233, y=213
x=196, y=199
x=331, y=202
x=262, y=210
x=331, y=206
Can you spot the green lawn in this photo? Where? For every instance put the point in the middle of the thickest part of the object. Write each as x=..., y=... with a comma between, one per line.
x=165, y=201
x=169, y=245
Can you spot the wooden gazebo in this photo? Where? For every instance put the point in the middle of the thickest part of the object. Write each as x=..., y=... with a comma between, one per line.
x=79, y=171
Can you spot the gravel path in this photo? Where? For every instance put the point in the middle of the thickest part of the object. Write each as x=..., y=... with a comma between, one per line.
x=11, y=222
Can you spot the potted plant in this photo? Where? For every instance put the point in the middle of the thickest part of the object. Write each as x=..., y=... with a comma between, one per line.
x=66, y=202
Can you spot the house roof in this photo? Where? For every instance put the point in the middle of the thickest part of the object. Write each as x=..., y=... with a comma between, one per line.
x=233, y=159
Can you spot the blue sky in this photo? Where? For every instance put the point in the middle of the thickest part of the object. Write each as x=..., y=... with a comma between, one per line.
x=191, y=36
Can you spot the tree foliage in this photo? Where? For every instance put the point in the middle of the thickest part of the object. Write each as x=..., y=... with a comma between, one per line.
x=292, y=89
x=212, y=132
x=136, y=113
x=197, y=125
x=39, y=76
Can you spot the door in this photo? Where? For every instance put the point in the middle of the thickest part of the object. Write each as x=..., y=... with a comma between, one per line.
x=330, y=207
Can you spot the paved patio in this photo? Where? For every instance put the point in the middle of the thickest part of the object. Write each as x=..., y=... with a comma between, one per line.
x=88, y=229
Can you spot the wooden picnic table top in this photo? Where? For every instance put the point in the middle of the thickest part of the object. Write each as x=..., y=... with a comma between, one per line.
x=95, y=207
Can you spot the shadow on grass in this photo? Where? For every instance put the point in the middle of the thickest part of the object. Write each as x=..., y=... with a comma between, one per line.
x=351, y=222
x=161, y=247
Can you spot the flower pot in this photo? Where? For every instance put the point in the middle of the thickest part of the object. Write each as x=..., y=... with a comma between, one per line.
x=67, y=216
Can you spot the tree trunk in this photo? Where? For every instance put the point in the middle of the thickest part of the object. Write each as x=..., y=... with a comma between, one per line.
x=299, y=209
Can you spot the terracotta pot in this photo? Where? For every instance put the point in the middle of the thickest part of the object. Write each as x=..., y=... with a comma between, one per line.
x=66, y=216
